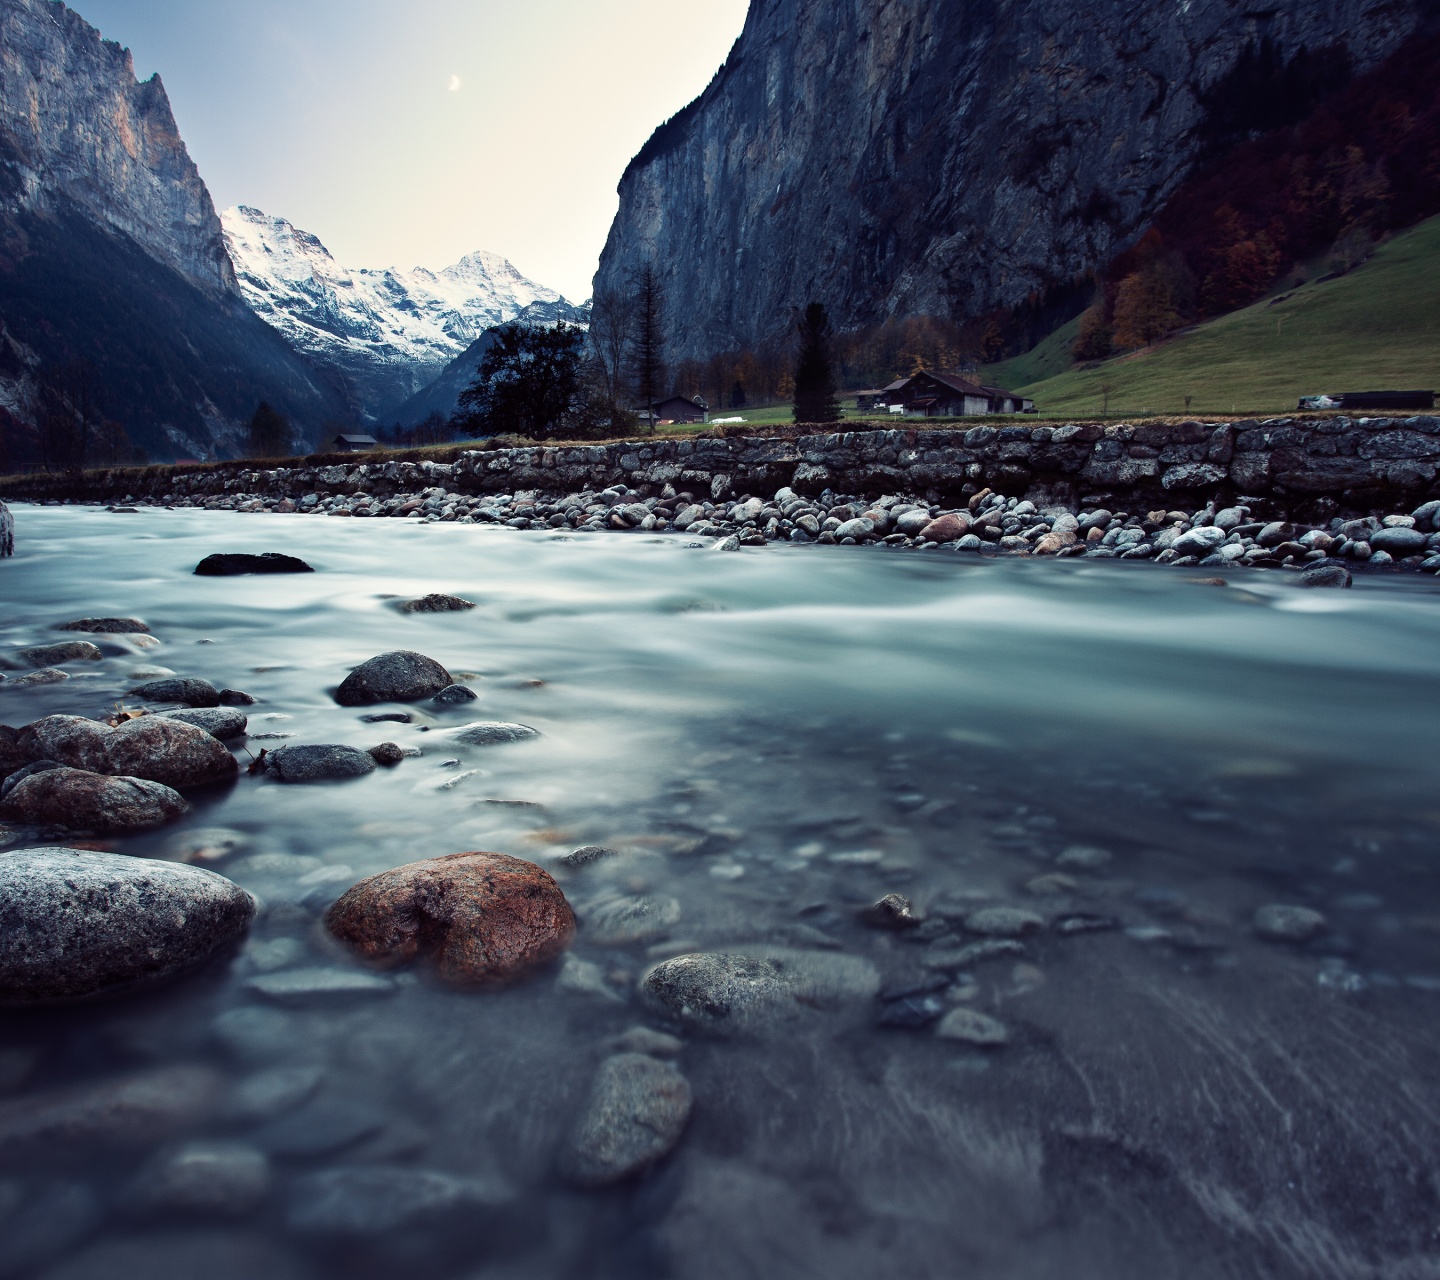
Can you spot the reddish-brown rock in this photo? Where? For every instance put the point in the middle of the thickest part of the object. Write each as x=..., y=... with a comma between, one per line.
x=168, y=751
x=946, y=528
x=70, y=740
x=1053, y=543
x=482, y=918
x=83, y=801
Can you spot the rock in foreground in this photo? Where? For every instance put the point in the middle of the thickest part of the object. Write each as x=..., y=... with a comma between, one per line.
x=634, y=1116
x=401, y=676
x=168, y=750
x=236, y=564
x=318, y=763
x=75, y=923
x=482, y=918
x=83, y=801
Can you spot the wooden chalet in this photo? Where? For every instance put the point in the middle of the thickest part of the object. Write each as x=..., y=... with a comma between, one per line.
x=947, y=395
x=354, y=443
x=681, y=409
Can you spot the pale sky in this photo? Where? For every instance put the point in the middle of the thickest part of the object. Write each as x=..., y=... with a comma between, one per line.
x=412, y=132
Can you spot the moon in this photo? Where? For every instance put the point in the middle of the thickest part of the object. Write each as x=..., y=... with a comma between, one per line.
x=454, y=84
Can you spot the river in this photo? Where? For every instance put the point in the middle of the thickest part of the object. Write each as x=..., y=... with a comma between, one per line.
x=771, y=740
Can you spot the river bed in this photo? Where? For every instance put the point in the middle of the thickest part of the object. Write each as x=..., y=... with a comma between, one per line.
x=771, y=741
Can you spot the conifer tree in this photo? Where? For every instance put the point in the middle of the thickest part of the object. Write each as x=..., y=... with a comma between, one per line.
x=814, y=376
x=269, y=433
x=647, y=339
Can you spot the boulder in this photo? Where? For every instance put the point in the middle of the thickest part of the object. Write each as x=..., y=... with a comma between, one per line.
x=435, y=604
x=83, y=801
x=75, y=741
x=186, y=689
x=634, y=1116
x=947, y=528
x=401, y=676
x=7, y=532
x=454, y=694
x=20, y=774
x=484, y=733
x=387, y=753
x=167, y=750
x=106, y=626
x=1325, y=575
x=482, y=918
x=52, y=655
x=218, y=722
x=1398, y=542
x=77, y=923
x=318, y=763
x=235, y=564
x=12, y=755
x=1199, y=542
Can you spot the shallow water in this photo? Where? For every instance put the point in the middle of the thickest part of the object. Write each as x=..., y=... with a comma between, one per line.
x=773, y=739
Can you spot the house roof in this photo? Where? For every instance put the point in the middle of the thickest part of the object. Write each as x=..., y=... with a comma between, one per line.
x=685, y=400
x=349, y=439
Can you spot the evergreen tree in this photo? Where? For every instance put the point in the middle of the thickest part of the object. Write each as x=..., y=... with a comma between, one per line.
x=814, y=377
x=530, y=383
x=737, y=395
x=647, y=338
x=268, y=435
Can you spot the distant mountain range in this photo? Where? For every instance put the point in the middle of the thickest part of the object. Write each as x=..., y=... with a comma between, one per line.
x=384, y=334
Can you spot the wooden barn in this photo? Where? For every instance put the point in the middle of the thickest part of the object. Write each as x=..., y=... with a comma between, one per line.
x=681, y=409
x=947, y=395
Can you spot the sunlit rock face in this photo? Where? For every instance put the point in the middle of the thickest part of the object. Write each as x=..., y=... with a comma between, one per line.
x=901, y=157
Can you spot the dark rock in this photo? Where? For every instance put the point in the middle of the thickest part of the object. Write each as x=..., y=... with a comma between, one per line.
x=7, y=532
x=234, y=564
x=76, y=923
x=401, y=676
x=911, y=1011
x=452, y=694
x=12, y=755
x=235, y=698
x=72, y=740
x=168, y=750
x=893, y=911
x=1398, y=542
x=435, y=604
x=129, y=1113
x=318, y=763
x=584, y=856
x=387, y=717
x=19, y=776
x=387, y=753
x=46, y=675
x=186, y=689
x=52, y=655
x=482, y=918
x=634, y=1116
x=41, y=1220
x=380, y=1200
x=207, y=1179
x=84, y=801
x=484, y=733
x=219, y=722
x=107, y=626
x=1325, y=575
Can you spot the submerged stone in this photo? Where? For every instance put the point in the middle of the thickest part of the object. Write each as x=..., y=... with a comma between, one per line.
x=187, y=689
x=634, y=1116
x=324, y=763
x=231, y=564
x=83, y=801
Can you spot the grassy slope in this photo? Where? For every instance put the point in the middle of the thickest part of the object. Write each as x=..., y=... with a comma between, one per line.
x=1377, y=327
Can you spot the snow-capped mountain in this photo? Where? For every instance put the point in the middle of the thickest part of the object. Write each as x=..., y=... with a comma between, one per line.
x=384, y=333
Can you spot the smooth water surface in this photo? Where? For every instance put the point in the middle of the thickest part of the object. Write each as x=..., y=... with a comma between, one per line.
x=773, y=739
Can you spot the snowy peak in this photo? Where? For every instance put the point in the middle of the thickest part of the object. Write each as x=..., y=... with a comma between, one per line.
x=387, y=332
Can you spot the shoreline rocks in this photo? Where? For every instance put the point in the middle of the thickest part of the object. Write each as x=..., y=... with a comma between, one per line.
x=76, y=923
x=482, y=919
x=78, y=800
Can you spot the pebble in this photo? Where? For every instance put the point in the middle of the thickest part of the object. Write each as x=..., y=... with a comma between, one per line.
x=42, y=1219
x=267, y=1094
x=1082, y=922
x=320, y=1127
x=481, y=918
x=585, y=977
x=1084, y=857
x=973, y=1027
x=77, y=923
x=373, y=1201
x=1280, y=922
x=585, y=855
x=209, y=1179
x=454, y=694
x=399, y=676
x=893, y=911
x=647, y=1040
x=620, y=922
x=1004, y=922
x=636, y=1111
x=911, y=1011
x=951, y=958
x=387, y=753
x=325, y=763
x=319, y=985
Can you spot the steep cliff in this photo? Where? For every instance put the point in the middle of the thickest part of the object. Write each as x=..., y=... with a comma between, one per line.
x=903, y=157
x=111, y=252
x=384, y=333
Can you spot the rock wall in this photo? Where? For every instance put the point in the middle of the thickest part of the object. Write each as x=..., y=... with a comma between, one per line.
x=1354, y=465
x=903, y=157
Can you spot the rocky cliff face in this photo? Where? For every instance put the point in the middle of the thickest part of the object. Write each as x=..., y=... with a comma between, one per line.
x=386, y=333
x=111, y=254
x=903, y=157
x=78, y=130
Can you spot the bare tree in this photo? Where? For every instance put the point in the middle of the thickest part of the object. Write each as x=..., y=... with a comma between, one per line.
x=611, y=322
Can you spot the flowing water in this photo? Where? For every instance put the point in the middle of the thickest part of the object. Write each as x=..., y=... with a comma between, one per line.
x=772, y=740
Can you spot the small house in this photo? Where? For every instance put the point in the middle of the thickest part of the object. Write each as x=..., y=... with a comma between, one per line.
x=946, y=395
x=682, y=409
x=869, y=401
x=354, y=444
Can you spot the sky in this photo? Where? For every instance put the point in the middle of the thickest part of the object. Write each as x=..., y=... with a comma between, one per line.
x=412, y=132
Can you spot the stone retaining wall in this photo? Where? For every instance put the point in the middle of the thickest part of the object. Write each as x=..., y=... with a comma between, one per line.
x=1354, y=464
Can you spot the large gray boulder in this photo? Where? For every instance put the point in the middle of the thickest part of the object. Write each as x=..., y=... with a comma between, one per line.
x=321, y=763
x=168, y=751
x=401, y=676
x=76, y=923
x=82, y=801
